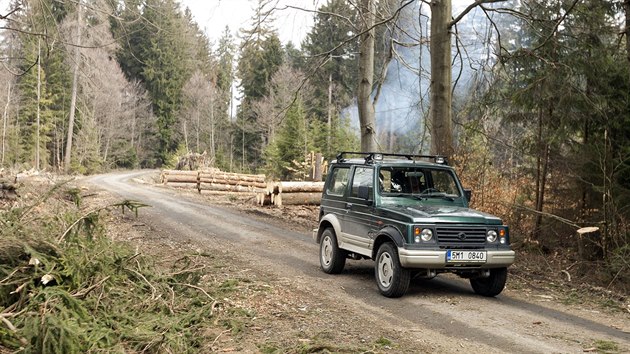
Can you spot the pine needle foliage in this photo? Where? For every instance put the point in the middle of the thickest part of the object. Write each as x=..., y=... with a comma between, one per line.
x=66, y=287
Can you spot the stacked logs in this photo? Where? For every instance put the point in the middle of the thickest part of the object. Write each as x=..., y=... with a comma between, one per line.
x=266, y=192
x=292, y=193
x=180, y=179
x=231, y=182
x=214, y=180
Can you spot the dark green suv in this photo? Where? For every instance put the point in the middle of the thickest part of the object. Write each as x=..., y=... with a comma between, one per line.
x=408, y=213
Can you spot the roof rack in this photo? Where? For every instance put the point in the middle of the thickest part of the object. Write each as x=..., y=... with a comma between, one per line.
x=378, y=156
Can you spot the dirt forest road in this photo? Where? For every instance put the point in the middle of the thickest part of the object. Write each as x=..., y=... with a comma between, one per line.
x=439, y=315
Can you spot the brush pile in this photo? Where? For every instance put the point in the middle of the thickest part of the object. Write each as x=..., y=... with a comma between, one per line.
x=66, y=287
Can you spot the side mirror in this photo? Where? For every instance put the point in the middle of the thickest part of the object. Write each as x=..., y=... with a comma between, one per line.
x=364, y=192
x=468, y=194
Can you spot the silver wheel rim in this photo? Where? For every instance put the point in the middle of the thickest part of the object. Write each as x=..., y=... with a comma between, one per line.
x=385, y=269
x=327, y=250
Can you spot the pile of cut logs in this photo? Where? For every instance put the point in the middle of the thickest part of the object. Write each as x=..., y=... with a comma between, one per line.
x=214, y=180
x=266, y=192
x=291, y=193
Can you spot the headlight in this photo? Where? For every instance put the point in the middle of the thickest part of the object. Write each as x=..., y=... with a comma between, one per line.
x=491, y=236
x=421, y=234
x=426, y=235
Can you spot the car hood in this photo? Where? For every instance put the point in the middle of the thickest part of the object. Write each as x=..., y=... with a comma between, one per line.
x=444, y=214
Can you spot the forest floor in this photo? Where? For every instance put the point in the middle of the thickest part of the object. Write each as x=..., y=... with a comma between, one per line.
x=272, y=311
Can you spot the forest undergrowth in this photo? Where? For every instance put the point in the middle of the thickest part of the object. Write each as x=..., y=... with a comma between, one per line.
x=592, y=264
x=67, y=287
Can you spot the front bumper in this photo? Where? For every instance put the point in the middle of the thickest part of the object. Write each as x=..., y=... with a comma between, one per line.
x=431, y=259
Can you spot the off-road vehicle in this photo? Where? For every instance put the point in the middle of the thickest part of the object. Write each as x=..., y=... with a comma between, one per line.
x=408, y=213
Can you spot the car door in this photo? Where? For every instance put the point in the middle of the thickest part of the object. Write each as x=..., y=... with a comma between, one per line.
x=335, y=194
x=358, y=221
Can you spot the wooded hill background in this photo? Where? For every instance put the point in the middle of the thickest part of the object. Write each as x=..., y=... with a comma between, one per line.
x=541, y=100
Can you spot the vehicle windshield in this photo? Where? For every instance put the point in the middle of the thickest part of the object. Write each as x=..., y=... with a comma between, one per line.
x=417, y=182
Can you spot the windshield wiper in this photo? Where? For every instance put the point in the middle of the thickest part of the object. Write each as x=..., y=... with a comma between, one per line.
x=442, y=195
x=407, y=195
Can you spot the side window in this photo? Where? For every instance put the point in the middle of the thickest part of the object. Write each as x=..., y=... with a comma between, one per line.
x=362, y=177
x=338, y=181
x=385, y=181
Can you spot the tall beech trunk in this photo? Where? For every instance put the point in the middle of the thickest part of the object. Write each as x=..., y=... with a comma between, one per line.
x=440, y=110
x=73, y=98
x=366, y=77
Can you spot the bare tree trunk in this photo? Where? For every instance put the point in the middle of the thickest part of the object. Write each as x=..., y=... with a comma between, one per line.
x=540, y=197
x=542, y=166
x=133, y=130
x=186, y=136
x=39, y=96
x=198, y=128
x=73, y=99
x=366, y=77
x=212, y=125
x=538, y=171
x=5, y=118
x=231, y=152
x=58, y=147
x=330, y=113
x=440, y=110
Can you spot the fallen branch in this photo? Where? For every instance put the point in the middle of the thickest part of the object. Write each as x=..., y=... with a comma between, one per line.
x=12, y=328
x=567, y=274
x=131, y=205
x=153, y=289
x=559, y=218
x=83, y=293
x=195, y=287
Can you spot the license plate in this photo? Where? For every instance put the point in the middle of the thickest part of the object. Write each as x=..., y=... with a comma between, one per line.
x=454, y=256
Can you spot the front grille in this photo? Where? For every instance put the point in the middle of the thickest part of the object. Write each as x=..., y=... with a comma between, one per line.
x=461, y=236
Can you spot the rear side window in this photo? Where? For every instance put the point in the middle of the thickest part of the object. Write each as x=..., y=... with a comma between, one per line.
x=338, y=181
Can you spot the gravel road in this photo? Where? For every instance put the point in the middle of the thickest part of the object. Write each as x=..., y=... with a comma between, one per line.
x=442, y=315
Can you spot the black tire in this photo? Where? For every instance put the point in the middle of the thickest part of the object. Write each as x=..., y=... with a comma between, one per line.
x=332, y=259
x=391, y=278
x=492, y=285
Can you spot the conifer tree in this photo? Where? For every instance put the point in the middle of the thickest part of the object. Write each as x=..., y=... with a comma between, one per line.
x=154, y=50
x=261, y=55
x=38, y=91
x=224, y=82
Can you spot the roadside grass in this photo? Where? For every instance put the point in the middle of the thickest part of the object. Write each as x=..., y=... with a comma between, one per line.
x=67, y=287
x=326, y=342
x=606, y=346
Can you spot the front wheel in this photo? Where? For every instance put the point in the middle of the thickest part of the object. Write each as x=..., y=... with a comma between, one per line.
x=492, y=285
x=331, y=258
x=392, y=279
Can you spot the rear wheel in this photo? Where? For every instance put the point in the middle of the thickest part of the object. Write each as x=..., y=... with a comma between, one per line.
x=492, y=285
x=331, y=258
x=392, y=279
